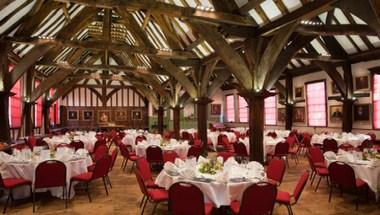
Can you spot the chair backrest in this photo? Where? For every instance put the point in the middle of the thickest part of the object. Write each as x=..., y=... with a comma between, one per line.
x=102, y=167
x=346, y=147
x=342, y=174
x=282, y=148
x=276, y=170
x=186, y=199
x=77, y=145
x=198, y=142
x=170, y=155
x=272, y=134
x=311, y=163
x=100, y=152
x=306, y=138
x=140, y=181
x=154, y=154
x=124, y=151
x=194, y=151
x=144, y=168
x=186, y=135
x=366, y=144
x=291, y=139
x=330, y=145
x=139, y=139
x=258, y=199
x=222, y=139
x=316, y=155
x=240, y=149
x=99, y=142
x=372, y=135
x=1, y=181
x=113, y=157
x=300, y=185
x=50, y=173
x=31, y=142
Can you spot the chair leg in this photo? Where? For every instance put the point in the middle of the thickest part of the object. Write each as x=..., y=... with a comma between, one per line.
x=34, y=201
x=133, y=165
x=88, y=193
x=290, y=211
x=357, y=199
x=122, y=163
x=331, y=189
x=319, y=181
x=146, y=200
x=65, y=195
x=312, y=181
x=154, y=208
x=6, y=204
x=109, y=181
x=105, y=184
x=142, y=201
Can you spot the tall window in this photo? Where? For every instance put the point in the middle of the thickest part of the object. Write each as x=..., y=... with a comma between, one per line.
x=230, y=108
x=15, y=105
x=270, y=110
x=243, y=110
x=376, y=101
x=38, y=110
x=316, y=103
x=54, y=110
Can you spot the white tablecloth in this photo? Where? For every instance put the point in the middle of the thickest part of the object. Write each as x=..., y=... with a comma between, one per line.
x=269, y=143
x=213, y=136
x=88, y=140
x=13, y=168
x=181, y=148
x=353, y=139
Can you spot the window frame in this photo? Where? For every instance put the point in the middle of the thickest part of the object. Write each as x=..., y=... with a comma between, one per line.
x=307, y=105
x=275, y=109
x=372, y=88
x=225, y=107
x=239, y=96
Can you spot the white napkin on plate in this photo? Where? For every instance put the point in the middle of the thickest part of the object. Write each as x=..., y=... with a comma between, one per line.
x=170, y=167
x=179, y=163
x=254, y=165
x=187, y=173
x=81, y=152
x=4, y=157
x=330, y=155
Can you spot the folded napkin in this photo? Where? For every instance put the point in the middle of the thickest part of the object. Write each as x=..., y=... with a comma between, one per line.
x=346, y=158
x=4, y=157
x=220, y=159
x=81, y=152
x=170, y=167
x=202, y=159
x=330, y=155
x=179, y=163
x=172, y=141
x=190, y=162
x=254, y=165
x=187, y=173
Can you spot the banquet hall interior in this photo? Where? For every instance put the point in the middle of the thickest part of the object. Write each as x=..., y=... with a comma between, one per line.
x=190, y=107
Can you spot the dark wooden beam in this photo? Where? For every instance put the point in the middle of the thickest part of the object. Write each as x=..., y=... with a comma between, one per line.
x=314, y=56
x=331, y=30
x=251, y=4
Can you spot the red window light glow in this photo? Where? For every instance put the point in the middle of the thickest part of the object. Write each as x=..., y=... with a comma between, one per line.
x=270, y=110
x=376, y=101
x=230, y=108
x=316, y=103
x=243, y=110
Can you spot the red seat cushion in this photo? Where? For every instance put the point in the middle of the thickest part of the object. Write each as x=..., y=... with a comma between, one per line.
x=322, y=171
x=235, y=207
x=320, y=165
x=208, y=208
x=91, y=168
x=150, y=184
x=133, y=158
x=82, y=177
x=360, y=183
x=274, y=182
x=158, y=195
x=283, y=197
x=10, y=183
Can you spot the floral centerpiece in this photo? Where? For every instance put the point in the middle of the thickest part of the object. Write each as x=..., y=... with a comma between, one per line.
x=164, y=143
x=210, y=167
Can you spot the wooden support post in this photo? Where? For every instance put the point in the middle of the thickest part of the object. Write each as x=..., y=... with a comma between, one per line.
x=202, y=104
x=289, y=103
x=176, y=121
x=4, y=113
x=28, y=122
x=46, y=115
x=160, y=120
x=347, y=115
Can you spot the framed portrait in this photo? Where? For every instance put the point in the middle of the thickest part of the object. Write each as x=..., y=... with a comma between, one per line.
x=136, y=115
x=299, y=92
x=334, y=88
x=336, y=113
x=299, y=114
x=72, y=115
x=88, y=115
x=281, y=114
x=121, y=115
x=361, y=83
x=216, y=109
x=362, y=112
x=104, y=116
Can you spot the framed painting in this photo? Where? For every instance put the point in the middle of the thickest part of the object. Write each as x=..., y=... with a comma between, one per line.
x=361, y=83
x=362, y=112
x=336, y=113
x=72, y=115
x=104, y=116
x=299, y=114
x=281, y=114
x=136, y=115
x=216, y=109
x=121, y=115
x=299, y=92
x=87, y=115
x=334, y=88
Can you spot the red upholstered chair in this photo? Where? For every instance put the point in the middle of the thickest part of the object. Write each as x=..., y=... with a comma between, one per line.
x=240, y=150
x=11, y=183
x=343, y=176
x=366, y=144
x=100, y=171
x=194, y=151
x=50, y=173
x=276, y=171
x=330, y=145
x=154, y=155
x=186, y=135
x=144, y=168
x=322, y=172
x=113, y=160
x=372, y=135
x=285, y=198
x=257, y=199
x=127, y=156
x=272, y=134
x=152, y=195
x=99, y=142
x=187, y=199
x=100, y=152
x=198, y=142
x=306, y=142
x=346, y=147
x=281, y=150
x=31, y=142
x=317, y=157
x=169, y=156
x=139, y=139
x=222, y=139
x=77, y=145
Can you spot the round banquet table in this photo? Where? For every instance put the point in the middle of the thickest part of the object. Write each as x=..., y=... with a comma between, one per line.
x=213, y=137
x=269, y=142
x=180, y=148
x=354, y=140
x=88, y=141
x=26, y=169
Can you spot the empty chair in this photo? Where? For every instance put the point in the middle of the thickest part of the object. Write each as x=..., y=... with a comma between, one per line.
x=126, y=157
x=100, y=171
x=317, y=157
x=281, y=150
x=222, y=139
x=198, y=142
x=366, y=144
x=11, y=183
x=322, y=172
x=187, y=199
x=77, y=145
x=372, y=135
x=113, y=160
x=50, y=173
x=330, y=145
x=31, y=141
x=305, y=142
x=169, y=156
x=144, y=168
x=154, y=155
x=240, y=150
x=153, y=195
x=343, y=176
x=285, y=197
x=100, y=152
x=139, y=139
x=346, y=147
x=186, y=135
x=99, y=142
x=276, y=171
x=257, y=199
x=194, y=151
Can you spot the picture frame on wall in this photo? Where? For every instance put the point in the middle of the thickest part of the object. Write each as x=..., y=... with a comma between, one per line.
x=281, y=114
x=87, y=115
x=216, y=109
x=362, y=112
x=336, y=113
x=73, y=115
x=299, y=114
x=361, y=83
x=104, y=116
x=121, y=115
x=299, y=92
x=334, y=88
x=136, y=115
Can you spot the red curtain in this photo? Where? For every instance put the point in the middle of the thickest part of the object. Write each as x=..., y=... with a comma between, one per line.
x=15, y=105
